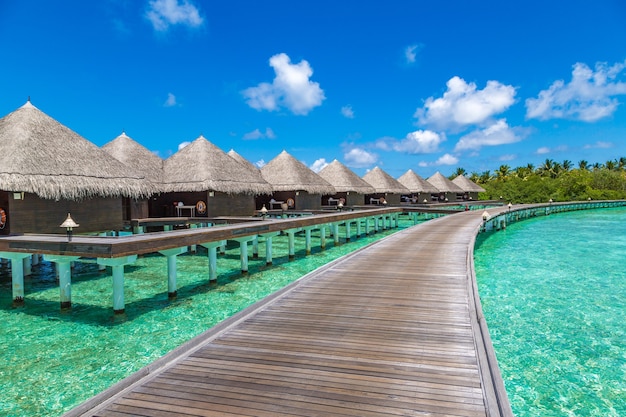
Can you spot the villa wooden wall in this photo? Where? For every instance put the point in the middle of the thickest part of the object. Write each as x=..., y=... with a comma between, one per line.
x=37, y=215
x=218, y=204
x=222, y=204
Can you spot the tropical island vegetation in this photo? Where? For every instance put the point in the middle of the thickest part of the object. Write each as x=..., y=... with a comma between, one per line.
x=559, y=181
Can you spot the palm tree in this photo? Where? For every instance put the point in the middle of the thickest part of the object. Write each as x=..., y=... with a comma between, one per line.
x=503, y=172
x=610, y=165
x=460, y=171
x=485, y=177
x=524, y=172
x=547, y=168
x=583, y=165
x=474, y=177
x=621, y=163
x=567, y=165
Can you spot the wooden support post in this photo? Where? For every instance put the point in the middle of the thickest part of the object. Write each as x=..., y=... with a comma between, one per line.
x=17, y=275
x=348, y=230
x=243, y=251
x=268, y=246
x=64, y=268
x=367, y=225
x=307, y=240
x=117, y=267
x=255, y=248
x=171, y=255
x=291, y=236
x=358, y=228
x=27, y=266
x=212, y=249
x=323, y=237
x=376, y=224
x=336, y=233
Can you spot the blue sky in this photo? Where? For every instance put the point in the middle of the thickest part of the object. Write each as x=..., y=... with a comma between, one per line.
x=426, y=85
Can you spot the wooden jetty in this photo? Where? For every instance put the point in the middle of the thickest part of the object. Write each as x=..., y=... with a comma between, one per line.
x=394, y=329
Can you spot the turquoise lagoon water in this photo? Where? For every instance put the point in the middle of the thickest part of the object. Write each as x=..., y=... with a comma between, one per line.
x=51, y=361
x=553, y=291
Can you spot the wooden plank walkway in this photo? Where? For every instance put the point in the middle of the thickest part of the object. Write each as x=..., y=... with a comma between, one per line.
x=390, y=330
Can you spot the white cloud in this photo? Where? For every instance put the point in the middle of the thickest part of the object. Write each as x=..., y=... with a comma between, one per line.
x=599, y=145
x=359, y=158
x=508, y=157
x=319, y=165
x=462, y=104
x=291, y=88
x=410, y=53
x=260, y=163
x=420, y=141
x=257, y=134
x=446, y=159
x=543, y=150
x=347, y=112
x=182, y=145
x=171, y=100
x=588, y=97
x=499, y=133
x=164, y=13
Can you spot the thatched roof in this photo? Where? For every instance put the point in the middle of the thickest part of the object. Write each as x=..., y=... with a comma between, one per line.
x=136, y=156
x=253, y=170
x=415, y=183
x=468, y=185
x=384, y=183
x=285, y=173
x=344, y=180
x=202, y=166
x=443, y=184
x=40, y=155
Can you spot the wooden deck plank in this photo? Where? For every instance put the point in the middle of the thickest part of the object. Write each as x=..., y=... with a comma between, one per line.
x=387, y=331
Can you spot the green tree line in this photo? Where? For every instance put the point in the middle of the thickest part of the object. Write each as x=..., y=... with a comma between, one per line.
x=559, y=181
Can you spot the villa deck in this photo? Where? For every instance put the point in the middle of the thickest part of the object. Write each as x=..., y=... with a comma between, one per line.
x=392, y=329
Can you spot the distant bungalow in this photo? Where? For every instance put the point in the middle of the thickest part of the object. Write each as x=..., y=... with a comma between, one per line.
x=294, y=184
x=254, y=172
x=48, y=171
x=202, y=180
x=387, y=190
x=141, y=159
x=448, y=191
x=350, y=189
x=421, y=190
x=470, y=188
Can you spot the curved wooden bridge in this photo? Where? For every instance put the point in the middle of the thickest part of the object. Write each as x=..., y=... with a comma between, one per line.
x=392, y=329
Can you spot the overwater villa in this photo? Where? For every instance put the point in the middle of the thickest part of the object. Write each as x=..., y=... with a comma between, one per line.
x=202, y=180
x=448, y=191
x=421, y=190
x=255, y=172
x=469, y=187
x=141, y=159
x=350, y=189
x=48, y=171
x=387, y=190
x=294, y=184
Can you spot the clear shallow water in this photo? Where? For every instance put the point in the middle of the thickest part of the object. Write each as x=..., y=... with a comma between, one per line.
x=51, y=361
x=553, y=291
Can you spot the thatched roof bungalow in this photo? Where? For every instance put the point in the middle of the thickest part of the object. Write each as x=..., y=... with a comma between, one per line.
x=294, y=183
x=49, y=170
x=448, y=191
x=420, y=189
x=139, y=158
x=386, y=188
x=469, y=187
x=348, y=186
x=202, y=175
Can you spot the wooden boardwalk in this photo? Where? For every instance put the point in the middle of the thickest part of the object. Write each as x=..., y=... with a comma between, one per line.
x=390, y=330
